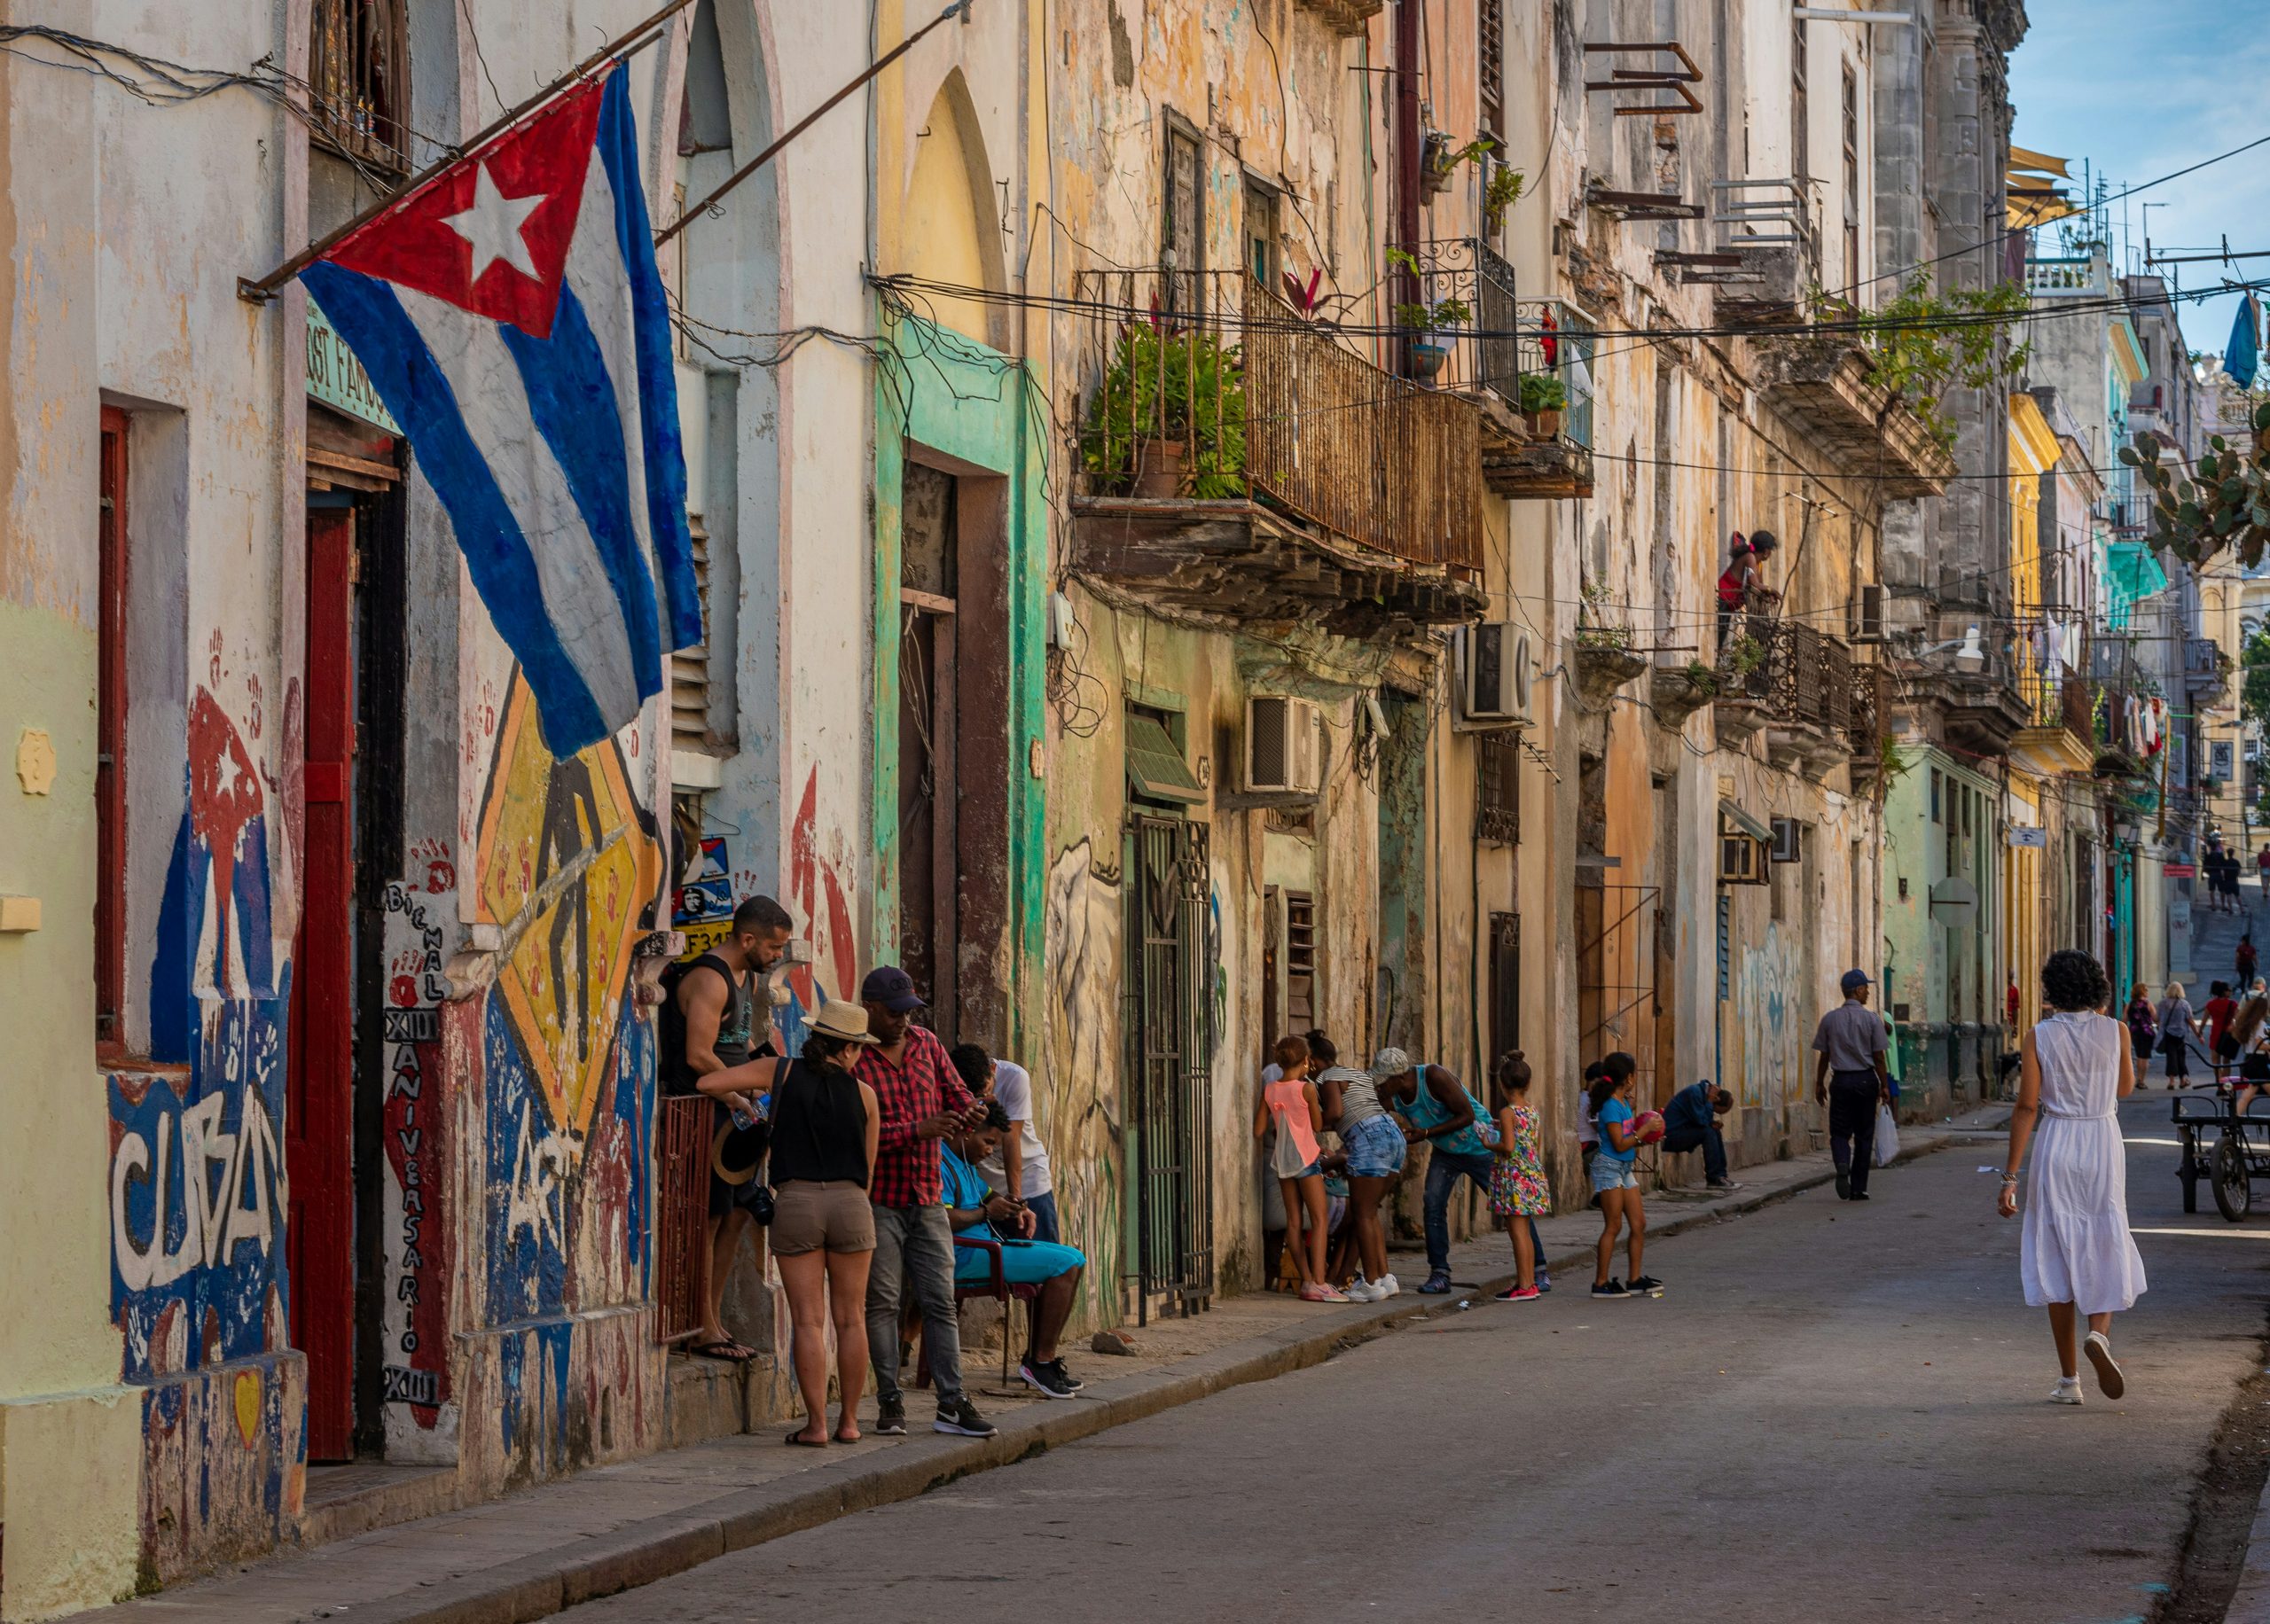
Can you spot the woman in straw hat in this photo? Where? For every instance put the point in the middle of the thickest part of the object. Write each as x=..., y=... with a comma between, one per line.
x=825, y=1124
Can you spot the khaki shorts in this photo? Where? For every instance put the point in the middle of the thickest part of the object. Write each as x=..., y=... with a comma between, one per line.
x=826, y=1216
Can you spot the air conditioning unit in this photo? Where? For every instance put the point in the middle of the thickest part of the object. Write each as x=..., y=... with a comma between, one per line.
x=1494, y=667
x=1868, y=615
x=1284, y=746
x=1741, y=860
x=1789, y=838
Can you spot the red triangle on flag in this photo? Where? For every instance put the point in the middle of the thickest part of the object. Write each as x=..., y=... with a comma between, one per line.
x=490, y=232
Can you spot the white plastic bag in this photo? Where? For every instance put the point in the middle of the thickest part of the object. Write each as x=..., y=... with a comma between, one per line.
x=1887, y=1137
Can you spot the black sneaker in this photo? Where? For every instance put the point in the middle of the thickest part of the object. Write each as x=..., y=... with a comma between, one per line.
x=1045, y=1377
x=963, y=1419
x=1646, y=1285
x=891, y=1417
x=1438, y=1284
x=1844, y=1186
x=1613, y=1288
x=1065, y=1376
x=1859, y=1195
x=1723, y=1183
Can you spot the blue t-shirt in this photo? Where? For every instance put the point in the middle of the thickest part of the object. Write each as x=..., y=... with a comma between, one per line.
x=1616, y=1111
x=961, y=1186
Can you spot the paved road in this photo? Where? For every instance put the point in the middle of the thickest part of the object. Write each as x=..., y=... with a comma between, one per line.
x=1837, y=1412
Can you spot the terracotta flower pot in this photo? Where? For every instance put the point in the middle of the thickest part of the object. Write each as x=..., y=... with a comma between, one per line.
x=1545, y=424
x=1159, y=469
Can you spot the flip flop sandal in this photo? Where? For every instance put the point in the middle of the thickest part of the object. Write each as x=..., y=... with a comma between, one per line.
x=719, y=1351
x=797, y=1440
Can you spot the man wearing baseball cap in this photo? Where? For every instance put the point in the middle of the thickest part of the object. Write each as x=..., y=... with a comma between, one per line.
x=1851, y=1079
x=921, y=1099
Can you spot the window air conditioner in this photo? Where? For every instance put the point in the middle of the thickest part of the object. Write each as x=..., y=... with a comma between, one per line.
x=1284, y=746
x=1494, y=669
x=1868, y=615
x=1788, y=839
x=1741, y=860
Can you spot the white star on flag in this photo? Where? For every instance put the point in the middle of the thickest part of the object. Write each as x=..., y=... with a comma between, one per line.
x=493, y=226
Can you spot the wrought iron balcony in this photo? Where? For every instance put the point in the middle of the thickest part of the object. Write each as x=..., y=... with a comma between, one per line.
x=1525, y=363
x=1794, y=683
x=1238, y=461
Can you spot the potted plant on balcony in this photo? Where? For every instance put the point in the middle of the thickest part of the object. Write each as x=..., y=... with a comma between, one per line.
x=1426, y=318
x=1601, y=656
x=1543, y=399
x=1168, y=417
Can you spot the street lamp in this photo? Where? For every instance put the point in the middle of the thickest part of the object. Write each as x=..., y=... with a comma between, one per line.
x=1970, y=653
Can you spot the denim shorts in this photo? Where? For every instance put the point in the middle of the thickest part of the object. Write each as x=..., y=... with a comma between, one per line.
x=1609, y=1173
x=1375, y=1148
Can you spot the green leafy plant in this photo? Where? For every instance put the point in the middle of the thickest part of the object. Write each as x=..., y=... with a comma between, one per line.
x=1168, y=385
x=1889, y=763
x=1921, y=345
x=1543, y=391
x=1440, y=160
x=1503, y=191
x=2254, y=685
x=1427, y=315
x=1617, y=637
x=1700, y=677
x=1743, y=655
x=2225, y=501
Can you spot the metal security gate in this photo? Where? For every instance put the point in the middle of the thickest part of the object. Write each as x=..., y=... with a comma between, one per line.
x=1170, y=1041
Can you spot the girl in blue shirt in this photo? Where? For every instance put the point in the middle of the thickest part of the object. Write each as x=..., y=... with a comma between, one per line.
x=1614, y=1182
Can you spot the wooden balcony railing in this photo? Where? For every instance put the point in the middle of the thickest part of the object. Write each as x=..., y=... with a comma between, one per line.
x=1204, y=387
x=358, y=81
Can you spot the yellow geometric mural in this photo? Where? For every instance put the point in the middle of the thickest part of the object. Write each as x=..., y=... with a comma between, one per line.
x=566, y=866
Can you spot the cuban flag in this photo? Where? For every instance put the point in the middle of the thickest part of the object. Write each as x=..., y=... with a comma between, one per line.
x=510, y=314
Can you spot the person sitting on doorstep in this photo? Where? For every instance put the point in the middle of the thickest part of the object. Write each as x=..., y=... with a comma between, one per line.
x=1691, y=1123
x=978, y=1213
x=1020, y=1169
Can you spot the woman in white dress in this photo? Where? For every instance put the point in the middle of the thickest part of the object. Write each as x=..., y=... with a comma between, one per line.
x=2075, y=1256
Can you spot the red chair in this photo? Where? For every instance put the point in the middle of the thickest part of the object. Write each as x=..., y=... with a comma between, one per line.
x=995, y=1287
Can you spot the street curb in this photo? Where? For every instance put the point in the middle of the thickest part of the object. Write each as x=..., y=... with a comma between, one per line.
x=538, y=1586
x=2250, y=1601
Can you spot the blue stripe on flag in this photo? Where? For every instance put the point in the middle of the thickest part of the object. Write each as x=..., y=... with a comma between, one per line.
x=370, y=318
x=618, y=146
x=573, y=404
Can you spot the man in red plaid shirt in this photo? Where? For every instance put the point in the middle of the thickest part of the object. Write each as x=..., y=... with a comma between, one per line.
x=922, y=1100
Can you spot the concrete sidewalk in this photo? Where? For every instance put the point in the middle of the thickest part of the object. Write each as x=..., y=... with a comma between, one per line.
x=618, y=1526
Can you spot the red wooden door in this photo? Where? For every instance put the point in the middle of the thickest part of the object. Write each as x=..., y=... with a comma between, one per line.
x=320, y=1132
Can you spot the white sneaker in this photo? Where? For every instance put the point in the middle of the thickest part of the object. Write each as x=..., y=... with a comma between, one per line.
x=1361, y=1290
x=2068, y=1391
x=1386, y=1286
x=2109, y=1379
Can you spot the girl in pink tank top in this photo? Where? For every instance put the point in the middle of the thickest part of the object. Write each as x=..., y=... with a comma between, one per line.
x=1289, y=1106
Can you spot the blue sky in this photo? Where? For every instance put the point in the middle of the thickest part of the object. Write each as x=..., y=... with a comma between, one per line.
x=2140, y=89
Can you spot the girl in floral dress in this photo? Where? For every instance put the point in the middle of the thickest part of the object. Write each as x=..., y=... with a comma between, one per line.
x=1518, y=1193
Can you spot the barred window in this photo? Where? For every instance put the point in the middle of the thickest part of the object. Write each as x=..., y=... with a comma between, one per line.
x=1497, y=803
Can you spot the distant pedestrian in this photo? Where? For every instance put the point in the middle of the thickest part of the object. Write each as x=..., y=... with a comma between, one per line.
x=1519, y=1194
x=1615, y=1180
x=2143, y=1025
x=1851, y=1078
x=2178, y=1027
x=1372, y=1152
x=2221, y=1008
x=2076, y=1255
x=1289, y=1106
x=2262, y=866
x=2247, y=959
x=1436, y=1108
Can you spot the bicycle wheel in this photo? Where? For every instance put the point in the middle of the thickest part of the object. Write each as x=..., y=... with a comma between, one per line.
x=2234, y=1192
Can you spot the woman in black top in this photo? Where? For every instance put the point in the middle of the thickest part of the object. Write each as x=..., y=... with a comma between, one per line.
x=824, y=1128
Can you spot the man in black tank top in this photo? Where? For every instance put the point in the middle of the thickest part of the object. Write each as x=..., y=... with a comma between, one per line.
x=712, y=1023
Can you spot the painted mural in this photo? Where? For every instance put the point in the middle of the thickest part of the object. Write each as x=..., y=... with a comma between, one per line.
x=1080, y=1030
x=415, y=1127
x=1775, y=1029
x=197, y=1187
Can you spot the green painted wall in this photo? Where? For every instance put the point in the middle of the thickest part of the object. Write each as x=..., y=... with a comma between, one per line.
x=955, y=396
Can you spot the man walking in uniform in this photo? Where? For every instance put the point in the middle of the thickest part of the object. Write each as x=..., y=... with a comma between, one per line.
x=1851, y=1080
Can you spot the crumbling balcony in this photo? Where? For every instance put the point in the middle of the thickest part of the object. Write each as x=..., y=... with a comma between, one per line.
x=1792, y=682
x=1240, y=463
x=1768, y=257
x=2061, y=736
x=1821, y=385
x=1526, y=365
